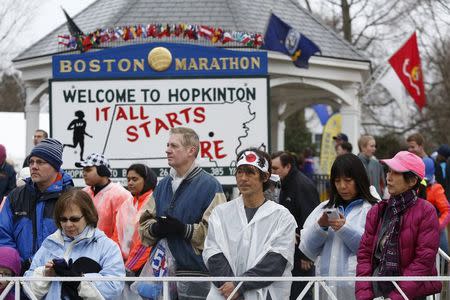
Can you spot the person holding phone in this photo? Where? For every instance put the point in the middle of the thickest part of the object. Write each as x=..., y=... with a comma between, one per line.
x=332, y=232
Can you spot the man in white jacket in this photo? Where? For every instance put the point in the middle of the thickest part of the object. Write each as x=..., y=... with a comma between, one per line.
x=250, y=236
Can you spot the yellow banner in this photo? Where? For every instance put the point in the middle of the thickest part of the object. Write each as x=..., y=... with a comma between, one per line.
x=327, y=151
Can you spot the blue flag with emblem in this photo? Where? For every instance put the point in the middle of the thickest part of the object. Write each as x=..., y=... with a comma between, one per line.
x=283, y=38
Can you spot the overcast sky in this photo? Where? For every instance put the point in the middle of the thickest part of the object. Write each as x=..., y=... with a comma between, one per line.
x=47, y=17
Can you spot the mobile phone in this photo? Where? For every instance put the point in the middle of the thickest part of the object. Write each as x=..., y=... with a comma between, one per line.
x=332, y=213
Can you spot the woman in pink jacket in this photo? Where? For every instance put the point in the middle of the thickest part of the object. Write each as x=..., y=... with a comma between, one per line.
x=401, y=236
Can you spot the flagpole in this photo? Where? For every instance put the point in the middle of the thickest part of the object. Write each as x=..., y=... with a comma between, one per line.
x=379, y=73
x=268, y=20
x=373, y=80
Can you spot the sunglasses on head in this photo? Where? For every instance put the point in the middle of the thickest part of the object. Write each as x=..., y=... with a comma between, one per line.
x=71, y=219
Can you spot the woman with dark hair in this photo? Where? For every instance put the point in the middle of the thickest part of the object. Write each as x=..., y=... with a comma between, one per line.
x=76, y=249
x=141, y=183
x=401, y=237
x=331, y=234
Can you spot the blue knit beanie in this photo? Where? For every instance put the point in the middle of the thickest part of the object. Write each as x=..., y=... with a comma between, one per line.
x=49, y=150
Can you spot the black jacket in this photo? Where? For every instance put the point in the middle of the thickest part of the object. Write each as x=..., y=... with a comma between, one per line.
x=300, y=196
x=445, y=182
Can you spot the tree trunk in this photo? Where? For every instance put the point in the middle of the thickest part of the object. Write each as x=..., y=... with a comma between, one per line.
x=346, y=21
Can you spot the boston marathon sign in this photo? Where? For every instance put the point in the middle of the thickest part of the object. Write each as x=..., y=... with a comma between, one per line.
x=122, y=102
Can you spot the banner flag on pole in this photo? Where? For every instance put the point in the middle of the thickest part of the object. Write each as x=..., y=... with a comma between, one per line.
x=73, y=28
x=327, y=152
x=83, y=42
x=394, y=86
x=283, y=38
x=406, y=64
x=322, y=112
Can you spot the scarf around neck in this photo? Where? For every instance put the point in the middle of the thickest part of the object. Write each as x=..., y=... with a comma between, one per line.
x=390, y=254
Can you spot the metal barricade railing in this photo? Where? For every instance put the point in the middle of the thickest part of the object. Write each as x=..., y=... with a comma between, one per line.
x=316, y=281
x=442, y=262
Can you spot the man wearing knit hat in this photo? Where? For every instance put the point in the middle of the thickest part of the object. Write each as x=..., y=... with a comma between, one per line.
x=7, y=175
x=26, y=217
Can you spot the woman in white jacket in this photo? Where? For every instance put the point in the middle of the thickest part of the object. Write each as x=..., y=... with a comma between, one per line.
x=331, y=234
x=77, y=249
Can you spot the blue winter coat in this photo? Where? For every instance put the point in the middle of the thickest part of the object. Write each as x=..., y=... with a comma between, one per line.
x=26, y=218
x=91, y=243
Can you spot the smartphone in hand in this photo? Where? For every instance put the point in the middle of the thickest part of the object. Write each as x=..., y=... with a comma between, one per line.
x=332, y=213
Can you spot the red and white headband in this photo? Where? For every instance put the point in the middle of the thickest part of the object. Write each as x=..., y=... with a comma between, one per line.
x=252, y=159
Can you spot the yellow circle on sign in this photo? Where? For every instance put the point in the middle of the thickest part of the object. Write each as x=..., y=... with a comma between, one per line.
x=159, y=59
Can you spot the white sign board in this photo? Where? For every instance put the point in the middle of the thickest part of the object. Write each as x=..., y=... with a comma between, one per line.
x=129, y=120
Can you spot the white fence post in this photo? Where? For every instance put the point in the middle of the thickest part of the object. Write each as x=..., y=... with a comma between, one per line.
x=316, y=290
x=17, y=290
x=165, y=290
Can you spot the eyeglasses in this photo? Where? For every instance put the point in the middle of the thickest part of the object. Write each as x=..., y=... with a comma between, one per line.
x=71, y=219
x=37, y=162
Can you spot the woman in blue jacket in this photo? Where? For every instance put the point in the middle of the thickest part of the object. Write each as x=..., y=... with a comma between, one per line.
x=77, y=249
x=331, y=240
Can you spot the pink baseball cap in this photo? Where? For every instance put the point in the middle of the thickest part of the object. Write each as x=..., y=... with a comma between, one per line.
x=405, y=161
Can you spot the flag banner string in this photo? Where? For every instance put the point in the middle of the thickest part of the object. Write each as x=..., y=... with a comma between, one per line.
x=84, y=42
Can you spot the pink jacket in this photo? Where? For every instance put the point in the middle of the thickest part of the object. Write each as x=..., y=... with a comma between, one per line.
x=419, y=243
x=107, y=202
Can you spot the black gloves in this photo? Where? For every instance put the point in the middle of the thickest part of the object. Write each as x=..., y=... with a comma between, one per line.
x=64, y=269
x=168, y=226
x=177, y=227
x=75, y=269
x=159, y=229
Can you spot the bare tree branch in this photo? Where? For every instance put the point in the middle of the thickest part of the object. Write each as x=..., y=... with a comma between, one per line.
x=308, y=6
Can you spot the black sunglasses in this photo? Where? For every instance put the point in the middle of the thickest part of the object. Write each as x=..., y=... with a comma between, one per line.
x=71, y=219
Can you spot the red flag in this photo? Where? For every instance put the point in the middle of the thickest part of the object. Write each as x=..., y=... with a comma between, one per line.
x=406, y=63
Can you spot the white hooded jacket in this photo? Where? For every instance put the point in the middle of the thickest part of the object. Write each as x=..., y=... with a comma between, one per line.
x=244, y=244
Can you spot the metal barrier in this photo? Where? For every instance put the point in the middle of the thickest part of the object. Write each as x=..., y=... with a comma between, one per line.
x=316, y=281
x=442, y=260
